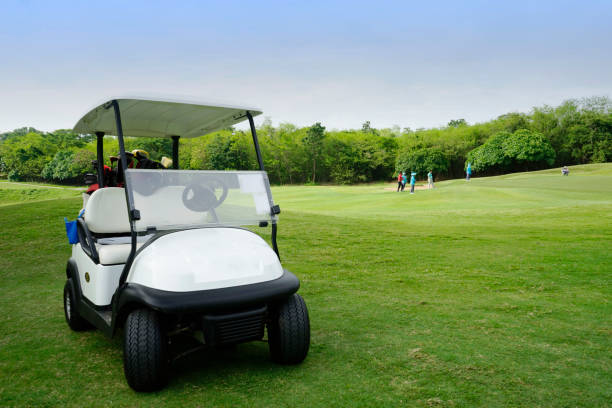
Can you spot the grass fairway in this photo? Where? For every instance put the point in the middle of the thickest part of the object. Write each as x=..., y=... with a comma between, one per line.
x=490, y=293
x=14, y=193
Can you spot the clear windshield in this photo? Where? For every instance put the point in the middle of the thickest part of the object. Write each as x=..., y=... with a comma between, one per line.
x=176, y=199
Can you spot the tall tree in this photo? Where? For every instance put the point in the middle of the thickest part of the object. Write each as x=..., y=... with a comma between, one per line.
x=314, y=144
x=457, y=123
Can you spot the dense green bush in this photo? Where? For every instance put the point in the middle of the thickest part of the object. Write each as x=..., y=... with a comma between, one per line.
x=491, y=156
x=522, y=150
x=227, y=152
x=284, y=154
x=529, y=149
x=422, y=160
x=26, y=156
x=580, y=131
x=14, y=175
x=59, y=167
x=359, y=156
x=68, y=165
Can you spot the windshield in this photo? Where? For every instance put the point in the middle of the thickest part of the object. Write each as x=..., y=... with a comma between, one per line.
x=177, y=199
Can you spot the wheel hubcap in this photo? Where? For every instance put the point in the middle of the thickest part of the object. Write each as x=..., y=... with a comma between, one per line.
x=68, y=310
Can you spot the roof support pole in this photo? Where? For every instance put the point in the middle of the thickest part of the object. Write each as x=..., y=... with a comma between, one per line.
x=175, y=151
x=100, y=158
x=123, y=158
x=261, y=167
x=133, y=214
x=274, y=244
x=255, y=141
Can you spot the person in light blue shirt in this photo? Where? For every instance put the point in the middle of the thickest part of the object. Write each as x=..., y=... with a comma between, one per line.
x=404, y=180
x=468, y=171
x=430, y=180
x=412, y=182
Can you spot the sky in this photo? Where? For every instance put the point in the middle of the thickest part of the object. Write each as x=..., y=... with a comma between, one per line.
x=411, y=64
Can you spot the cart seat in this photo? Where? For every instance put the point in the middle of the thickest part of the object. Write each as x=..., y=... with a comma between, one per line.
x=106, y=211
x=114, y=254
x=106, y=218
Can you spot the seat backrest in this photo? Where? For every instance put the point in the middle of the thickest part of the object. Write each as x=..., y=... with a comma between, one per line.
x=106, y=211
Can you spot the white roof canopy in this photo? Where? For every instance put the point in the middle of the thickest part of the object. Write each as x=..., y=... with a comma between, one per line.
x=162, y=118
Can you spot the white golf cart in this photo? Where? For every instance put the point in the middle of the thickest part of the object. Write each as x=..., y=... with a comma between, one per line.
x=167, y=253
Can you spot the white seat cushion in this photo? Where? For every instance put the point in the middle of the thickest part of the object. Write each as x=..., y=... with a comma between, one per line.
x=106, y=211
x=114, y=254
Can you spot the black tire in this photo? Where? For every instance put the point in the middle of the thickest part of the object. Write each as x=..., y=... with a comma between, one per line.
x=289, y=331
x=73, y=318
x=145, y=351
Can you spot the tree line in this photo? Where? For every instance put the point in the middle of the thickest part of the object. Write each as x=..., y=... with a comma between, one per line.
x=575, y=132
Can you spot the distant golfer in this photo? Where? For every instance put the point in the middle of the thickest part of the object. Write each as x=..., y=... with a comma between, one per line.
x=412, y=182
x=468, y=171
x=399, y=181
x=565, y=171
x=404, y=180
x=430, y=180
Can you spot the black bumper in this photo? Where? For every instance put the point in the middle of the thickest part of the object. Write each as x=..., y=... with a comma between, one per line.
x=212, y=300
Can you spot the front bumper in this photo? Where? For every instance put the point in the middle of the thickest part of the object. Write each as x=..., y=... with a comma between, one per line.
x=212, y=300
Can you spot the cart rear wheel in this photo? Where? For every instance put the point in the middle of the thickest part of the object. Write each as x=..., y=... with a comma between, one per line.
x=145, y=351
x=289, y=331
x=73, y=318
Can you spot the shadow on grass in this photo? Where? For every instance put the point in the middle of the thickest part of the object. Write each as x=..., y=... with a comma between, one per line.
x=194, y=364
x=220, y=365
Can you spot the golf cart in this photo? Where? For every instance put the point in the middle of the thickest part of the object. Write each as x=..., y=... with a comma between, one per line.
x=168, y=253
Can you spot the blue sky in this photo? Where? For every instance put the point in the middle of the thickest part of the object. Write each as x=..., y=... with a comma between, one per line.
x=416, y=64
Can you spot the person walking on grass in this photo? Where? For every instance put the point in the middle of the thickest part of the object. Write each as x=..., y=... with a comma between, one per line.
x=412, y=182
x=430, y=180
x=404, y=180
x=468, y=171
x=399, y=182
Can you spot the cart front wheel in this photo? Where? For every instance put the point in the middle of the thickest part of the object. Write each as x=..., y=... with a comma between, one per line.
x=289, y=331
x=145, y=360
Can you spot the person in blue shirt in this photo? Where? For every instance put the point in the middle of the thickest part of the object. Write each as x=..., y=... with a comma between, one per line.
x=412, y=182
x=468, y=171
x=430, y=180
x=404, y=180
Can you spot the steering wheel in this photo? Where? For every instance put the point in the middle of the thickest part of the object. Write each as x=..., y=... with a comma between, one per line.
x=146, y=184
x=202, y=197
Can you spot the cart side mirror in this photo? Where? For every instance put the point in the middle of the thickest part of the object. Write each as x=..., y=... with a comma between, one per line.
x=90, y=179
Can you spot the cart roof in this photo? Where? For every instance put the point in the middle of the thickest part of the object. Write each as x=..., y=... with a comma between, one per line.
x=162, y=118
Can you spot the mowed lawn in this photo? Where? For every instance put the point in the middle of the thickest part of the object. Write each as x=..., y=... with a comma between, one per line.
x=490, y=293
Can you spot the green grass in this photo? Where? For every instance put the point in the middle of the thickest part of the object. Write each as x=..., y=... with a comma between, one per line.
x=12, y=193
x=490, y=293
